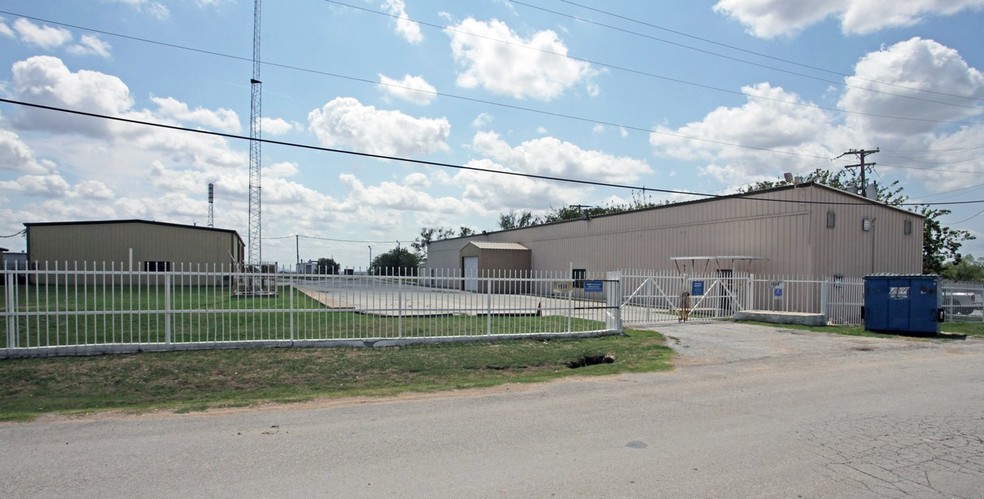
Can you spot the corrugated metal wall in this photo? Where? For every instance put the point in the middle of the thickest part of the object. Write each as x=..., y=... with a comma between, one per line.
x=112, y=242
x=787, y=228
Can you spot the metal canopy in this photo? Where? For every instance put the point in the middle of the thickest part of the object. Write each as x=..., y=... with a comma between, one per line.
x=716, y=260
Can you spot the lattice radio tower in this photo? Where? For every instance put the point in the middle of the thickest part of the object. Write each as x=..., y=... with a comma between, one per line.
x=255, y=133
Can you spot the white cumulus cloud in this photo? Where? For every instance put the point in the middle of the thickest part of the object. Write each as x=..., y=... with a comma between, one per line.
x=17, y=156
x=409, y=30
x=155, y=9
x=553, y=157
x=46, y=37
x=497, y=59
x=277, y=126
x=46, y=80
x=413, y=89
x=782, y=122
x=225, y=120
x=914, y=78
x=90, y=45
x=344, y=121
x=771, y=18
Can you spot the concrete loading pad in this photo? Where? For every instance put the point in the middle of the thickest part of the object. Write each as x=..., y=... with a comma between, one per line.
x=415, y=301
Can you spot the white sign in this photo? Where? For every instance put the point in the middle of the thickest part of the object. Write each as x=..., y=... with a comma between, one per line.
x=778, y=289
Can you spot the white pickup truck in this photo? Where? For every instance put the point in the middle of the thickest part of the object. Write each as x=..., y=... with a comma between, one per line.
x=961, y=302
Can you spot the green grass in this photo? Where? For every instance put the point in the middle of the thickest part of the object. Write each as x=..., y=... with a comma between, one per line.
x=197, y=380
x=106, y=314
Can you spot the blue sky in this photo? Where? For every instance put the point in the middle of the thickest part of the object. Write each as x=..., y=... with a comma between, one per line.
x=682, y=96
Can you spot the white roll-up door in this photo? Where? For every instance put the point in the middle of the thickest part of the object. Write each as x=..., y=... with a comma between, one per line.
x=471, y=273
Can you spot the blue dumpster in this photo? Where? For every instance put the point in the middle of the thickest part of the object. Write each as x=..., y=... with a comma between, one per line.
x=902, y=304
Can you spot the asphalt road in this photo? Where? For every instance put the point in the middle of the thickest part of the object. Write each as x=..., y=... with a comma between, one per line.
x=749, y=412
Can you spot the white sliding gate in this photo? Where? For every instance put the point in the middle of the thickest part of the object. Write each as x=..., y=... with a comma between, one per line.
x=654, y=297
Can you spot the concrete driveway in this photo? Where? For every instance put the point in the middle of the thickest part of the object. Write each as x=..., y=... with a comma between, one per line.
x=749, y=412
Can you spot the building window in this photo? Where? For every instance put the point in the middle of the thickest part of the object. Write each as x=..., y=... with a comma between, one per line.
x=831, y=219
x=578, y=276
x=866, y=224
x=157, y=266
x=907, y=227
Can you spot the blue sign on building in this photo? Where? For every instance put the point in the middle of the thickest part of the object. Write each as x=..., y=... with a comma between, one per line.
x=697, y=288
x=593, y=286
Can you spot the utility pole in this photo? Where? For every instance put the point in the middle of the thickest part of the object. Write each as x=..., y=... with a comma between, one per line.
x=861, y=153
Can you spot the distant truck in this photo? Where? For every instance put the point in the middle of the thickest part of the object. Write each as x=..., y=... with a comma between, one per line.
x=961, y=302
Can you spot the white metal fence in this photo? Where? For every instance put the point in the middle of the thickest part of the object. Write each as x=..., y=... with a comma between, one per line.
x=61, y=309
x=963, y=301
x=80, y=309
x=655, y=297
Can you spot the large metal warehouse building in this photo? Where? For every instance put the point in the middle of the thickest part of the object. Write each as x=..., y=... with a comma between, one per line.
x=133, y=245
x=806, y=229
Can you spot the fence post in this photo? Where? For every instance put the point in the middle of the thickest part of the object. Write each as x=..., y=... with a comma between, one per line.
x=824, y=297
x=612, y=298
x=751, y=292
x=488, y=302
x=167, y=308
x=650, y=295
x=10, y=310
x=399, y=302
x=290, y=292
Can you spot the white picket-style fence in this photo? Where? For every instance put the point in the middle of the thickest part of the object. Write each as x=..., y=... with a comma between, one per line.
x=83, y=309
x=74, y=309
x=654, y=297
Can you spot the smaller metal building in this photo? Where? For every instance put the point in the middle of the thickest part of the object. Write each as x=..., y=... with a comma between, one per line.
x=508, y=263
x=132, y=245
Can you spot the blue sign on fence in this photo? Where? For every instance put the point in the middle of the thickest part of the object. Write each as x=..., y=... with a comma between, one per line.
x=778, y=288
x=697, y=288
x=593, y=286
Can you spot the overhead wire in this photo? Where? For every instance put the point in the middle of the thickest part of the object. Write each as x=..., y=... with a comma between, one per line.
x=453, y=96
x=493, y=103
x=522, y=108
x=759, y=54
x=642, y=188
x=671, y=79
x=291, y=236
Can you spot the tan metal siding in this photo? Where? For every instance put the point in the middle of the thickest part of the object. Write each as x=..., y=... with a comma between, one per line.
x=108, y=246
x=111, y=243
x=788, y=231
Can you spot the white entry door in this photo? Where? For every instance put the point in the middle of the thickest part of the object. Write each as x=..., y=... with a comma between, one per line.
x=471, y=273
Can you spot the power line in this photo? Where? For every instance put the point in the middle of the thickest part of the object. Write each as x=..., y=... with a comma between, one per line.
x=675, y=80
x=767, y=56
x=361, y=241
x=968, y=218
x=511, y=106
x=594, y=183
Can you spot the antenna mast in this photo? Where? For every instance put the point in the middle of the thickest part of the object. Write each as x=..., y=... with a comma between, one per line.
x=255, y=133
x=211, y=199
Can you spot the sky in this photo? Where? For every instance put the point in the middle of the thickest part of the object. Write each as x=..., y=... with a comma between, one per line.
x=671, y=97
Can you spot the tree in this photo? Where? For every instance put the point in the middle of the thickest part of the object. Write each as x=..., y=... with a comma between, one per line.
x=397, y=261
x=328, y=266
x=640, y=200
x=428, y=234
x=967, y=269
x=513, y=220
x=941, y=244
